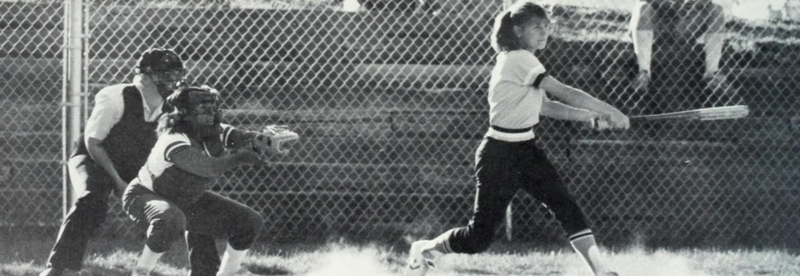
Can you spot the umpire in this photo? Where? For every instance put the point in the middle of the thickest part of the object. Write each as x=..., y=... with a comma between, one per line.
x=115, y=144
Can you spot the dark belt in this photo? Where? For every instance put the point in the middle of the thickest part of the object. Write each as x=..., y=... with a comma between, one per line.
x=512, y=130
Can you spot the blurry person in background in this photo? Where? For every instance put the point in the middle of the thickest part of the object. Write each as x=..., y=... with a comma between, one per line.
x=678, y=46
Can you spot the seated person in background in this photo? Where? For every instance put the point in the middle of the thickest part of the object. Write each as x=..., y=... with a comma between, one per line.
x=171, y=193
x=675, y=70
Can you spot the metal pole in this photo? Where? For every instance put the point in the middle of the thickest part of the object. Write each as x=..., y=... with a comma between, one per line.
x=71, y=110
x=64, y=133
x=76, y=68
x=85, y=72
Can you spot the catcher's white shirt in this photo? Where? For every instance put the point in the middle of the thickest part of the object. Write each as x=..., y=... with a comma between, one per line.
x=515, y=100
x=161, y=175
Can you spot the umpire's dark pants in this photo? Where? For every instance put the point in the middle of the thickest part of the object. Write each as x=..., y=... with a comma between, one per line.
x=502, y=168
x=94, y=185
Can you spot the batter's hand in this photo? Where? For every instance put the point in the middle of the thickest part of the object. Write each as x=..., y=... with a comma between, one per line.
x=619, y=121
x=600, y=123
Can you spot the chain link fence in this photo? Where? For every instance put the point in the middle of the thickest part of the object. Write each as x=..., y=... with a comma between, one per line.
x=31, y=39
x=389, y=99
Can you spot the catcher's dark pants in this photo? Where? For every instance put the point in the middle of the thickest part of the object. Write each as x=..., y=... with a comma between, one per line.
x=89, y=212
x=211, y=215
x=502, y=168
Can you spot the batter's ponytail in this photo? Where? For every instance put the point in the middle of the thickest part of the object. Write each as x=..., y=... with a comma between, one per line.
x=503, y=38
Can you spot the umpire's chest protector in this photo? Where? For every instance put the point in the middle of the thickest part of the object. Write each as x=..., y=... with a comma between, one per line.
x=130, y=140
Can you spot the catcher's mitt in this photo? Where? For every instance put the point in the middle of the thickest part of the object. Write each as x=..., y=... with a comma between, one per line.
x=273, y=138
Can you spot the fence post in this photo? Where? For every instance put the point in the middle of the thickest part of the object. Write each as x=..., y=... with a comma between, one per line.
x=71, y=96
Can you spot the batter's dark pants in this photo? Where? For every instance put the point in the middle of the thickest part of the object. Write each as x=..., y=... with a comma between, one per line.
x=502, y=168
x=211, y=215
x=90, y=209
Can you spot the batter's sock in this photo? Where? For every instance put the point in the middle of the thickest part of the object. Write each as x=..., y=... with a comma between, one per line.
x=147, y=261
x=442, y=243
x=231, y=261
x=583, y=242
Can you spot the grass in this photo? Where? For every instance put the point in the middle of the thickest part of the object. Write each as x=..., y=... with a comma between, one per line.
x=25, y=255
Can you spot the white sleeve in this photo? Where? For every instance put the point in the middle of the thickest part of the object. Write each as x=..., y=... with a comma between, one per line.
x=523, y=68
x=107, y=111
x=173, y=141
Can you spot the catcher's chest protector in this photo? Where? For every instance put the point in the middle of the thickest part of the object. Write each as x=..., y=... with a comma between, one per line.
x=130, y=140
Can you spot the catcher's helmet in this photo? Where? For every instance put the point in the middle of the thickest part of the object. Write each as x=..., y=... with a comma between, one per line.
x=184, y=98
x=159, y=60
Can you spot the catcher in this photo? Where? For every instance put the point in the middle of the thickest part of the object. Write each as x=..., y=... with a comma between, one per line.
x=114, y=146
x=171, y=193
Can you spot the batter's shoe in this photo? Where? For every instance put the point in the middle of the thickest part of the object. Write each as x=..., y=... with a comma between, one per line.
x=418, y=265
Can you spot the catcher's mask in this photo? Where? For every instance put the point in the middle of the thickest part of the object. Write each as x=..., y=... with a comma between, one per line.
x=197, y=108
x=164, y=67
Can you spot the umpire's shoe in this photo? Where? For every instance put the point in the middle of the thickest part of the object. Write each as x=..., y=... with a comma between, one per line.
x=55, y=271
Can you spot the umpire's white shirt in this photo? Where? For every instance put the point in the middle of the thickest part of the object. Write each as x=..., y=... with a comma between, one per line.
x=515, y=100
x=109, y=107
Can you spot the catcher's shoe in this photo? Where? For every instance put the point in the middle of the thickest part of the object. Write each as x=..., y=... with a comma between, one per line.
x=56, y=271
x=418, y=263
x=140, y=272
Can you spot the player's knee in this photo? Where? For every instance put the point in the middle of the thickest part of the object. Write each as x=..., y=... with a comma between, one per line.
x=92, y=200
x=254, y=221
x=174, y=220
x=92, y=207
x=162, y=234
x=570, y=215
x=249, y=230
x=165, y=230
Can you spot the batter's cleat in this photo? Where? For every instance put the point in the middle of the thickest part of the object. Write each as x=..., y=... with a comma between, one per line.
x=418, y=263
